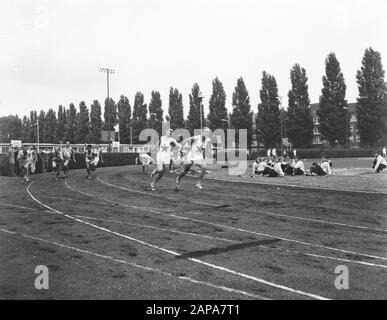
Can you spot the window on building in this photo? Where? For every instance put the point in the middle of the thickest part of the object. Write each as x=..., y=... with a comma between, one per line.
x=315, y=130
x=316, y=120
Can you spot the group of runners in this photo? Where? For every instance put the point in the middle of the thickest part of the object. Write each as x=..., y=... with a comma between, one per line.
x=60, y=158
x=178, y=157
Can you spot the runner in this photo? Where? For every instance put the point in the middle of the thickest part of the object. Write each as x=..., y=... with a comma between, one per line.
x=57, y=161
x=92, y=159
x=145, y=160
x=167, y=143
x=68, y=155
x=195, y=156
x=24, y=162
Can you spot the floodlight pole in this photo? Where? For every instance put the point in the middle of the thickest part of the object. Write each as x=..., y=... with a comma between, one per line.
x=282, y=152
x=108, y=71
x=200, y=96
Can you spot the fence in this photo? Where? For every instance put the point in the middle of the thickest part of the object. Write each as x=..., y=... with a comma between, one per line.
x=80, y=148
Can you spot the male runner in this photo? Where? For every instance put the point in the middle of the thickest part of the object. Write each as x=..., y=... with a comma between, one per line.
x=57, y=161
x=195, y=156
x=163, y=158
x=145, y=160
x=92, y=159
x=68, y=155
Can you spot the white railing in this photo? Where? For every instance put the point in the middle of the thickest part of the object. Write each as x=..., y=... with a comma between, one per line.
x=126, y=148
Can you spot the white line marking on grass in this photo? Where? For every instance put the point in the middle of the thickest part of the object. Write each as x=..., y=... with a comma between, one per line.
x=272, y=248
x=315, y=220
x=157, y=228
x=298, y=186
x=150, y=194
x=267, y=235
x=213, y=266
x=132, y=264
x=16, y=206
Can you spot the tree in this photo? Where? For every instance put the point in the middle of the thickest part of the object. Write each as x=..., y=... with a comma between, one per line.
x=111, y=106
x=83, y=123
x=175, y=109
x=33, y=132
x=124, y=113
x=241, y=116
x=194, y=110
x=332, y=112
x=60, y=128
x=26, y=127
x=156, y=112
x=95, y=123
x=269, y=118
x=217, y=116
x=50, y=122
x=300, y=122
x=140, y=111
x=372, y=100
x=71, y=116
x=10, y=128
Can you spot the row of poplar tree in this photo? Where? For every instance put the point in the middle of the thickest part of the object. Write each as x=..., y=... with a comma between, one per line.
x=84, y=125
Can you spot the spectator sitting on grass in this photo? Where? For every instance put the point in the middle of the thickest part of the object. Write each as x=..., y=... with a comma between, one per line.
x=286, y=167
x=321, y=169
x=379, y=164
x=259, y=166
x=298, y=167
x=275, y=171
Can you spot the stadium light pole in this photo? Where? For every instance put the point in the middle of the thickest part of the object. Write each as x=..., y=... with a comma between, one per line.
x=108, y=71
x=281, y=99
x=200, y=97
x=37, y=129
x=152, y=114
x=346, y=126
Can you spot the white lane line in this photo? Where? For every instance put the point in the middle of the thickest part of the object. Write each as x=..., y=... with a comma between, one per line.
x=265, y=234
x=132, y=264
x=17, y=206
x=156, y=195
x=213, y=266
x=275, y=237
x=274, y=214
x=299, y=187
x=316, y=220
x=157, y=228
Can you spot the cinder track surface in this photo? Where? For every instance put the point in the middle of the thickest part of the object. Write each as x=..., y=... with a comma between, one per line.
x=110, y=237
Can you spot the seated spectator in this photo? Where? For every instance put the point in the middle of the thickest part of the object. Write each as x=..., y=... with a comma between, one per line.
x=321, y=169
x=275, y=171
x=298, y=167
x=286, y=167
x=258, y=166
x=379, y=164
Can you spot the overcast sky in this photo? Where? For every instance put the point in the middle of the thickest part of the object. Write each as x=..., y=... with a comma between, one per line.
x=51, y=51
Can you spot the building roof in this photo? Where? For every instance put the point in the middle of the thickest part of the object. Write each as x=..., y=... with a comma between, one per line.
x=315, y=106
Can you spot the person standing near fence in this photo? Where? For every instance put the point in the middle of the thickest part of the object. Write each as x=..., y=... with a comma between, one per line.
x=11, y=161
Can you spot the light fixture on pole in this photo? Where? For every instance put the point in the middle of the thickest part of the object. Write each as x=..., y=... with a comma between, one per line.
x=108, y=71
x=200, y=97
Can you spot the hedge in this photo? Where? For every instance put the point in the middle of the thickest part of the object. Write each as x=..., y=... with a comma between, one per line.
x=109, y=160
